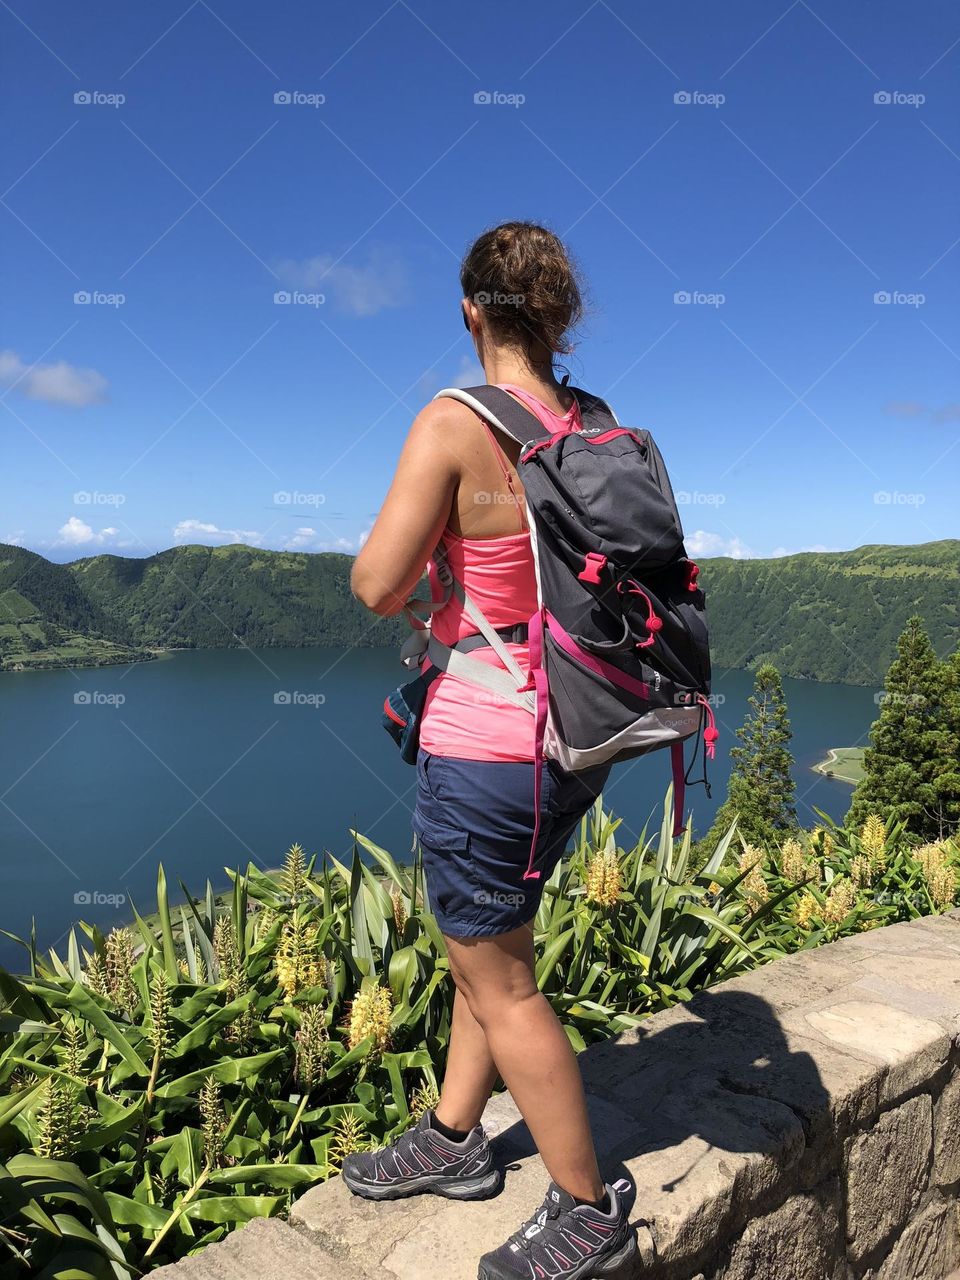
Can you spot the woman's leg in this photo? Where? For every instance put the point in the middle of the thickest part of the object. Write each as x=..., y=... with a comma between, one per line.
x=531, y=1051
x=471, y=1072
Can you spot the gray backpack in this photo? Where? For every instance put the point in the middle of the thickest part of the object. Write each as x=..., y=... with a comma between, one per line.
x=619, y=650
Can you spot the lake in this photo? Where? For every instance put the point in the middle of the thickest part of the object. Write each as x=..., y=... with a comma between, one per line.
x=209, y=759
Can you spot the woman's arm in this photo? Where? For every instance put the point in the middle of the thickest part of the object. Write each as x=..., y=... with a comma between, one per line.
x=413, y=515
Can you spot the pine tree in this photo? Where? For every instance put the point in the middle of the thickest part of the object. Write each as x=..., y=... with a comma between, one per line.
x=948, y=778
x=760, y=794
x=913, y=757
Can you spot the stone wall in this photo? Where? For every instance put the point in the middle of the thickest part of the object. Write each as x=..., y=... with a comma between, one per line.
x=799, y=1123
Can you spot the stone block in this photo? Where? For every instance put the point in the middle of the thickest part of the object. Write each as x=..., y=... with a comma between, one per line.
x=709, y=1158
x=946, y=1135
x=928, y=1248
x=886, y=1174
x=350, y=1227
x=802, y=1240
x=264, y=1249
x=909, y=1050
x=921, y=986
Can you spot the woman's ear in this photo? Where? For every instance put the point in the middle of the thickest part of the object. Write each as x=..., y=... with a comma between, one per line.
x=471, y=315
x=472, y=319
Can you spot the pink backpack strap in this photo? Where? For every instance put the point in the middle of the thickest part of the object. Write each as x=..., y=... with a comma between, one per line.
x=679, y=785
x=508, y=478
x=537, y=680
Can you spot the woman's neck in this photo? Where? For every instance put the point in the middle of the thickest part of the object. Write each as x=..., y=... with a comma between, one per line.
x=502, y=365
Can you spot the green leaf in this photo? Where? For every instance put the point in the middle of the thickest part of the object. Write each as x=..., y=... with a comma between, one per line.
x=84, y=1006
x=227, y=1071
x=166, y=929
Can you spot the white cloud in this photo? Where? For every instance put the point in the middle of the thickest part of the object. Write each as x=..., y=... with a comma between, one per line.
x=301, y=539
x=59, y=383
x=360, y=290
x=703, y=543
x=77, y=533
x=15, y=539
x=470, y=373
x=202, y=531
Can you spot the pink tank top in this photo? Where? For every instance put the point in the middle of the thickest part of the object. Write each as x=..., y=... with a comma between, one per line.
x=460, y=719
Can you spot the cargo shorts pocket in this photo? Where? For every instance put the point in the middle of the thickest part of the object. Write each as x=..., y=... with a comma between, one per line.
x=451, y=875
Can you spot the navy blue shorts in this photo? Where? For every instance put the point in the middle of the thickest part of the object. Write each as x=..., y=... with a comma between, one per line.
x=474, y=820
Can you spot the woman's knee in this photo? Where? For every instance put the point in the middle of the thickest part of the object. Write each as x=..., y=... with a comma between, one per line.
x=490, y=998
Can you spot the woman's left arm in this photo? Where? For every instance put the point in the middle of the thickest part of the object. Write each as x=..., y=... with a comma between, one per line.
x=409, y=525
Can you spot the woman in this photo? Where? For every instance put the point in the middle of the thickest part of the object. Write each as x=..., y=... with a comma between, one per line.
x=457, y=484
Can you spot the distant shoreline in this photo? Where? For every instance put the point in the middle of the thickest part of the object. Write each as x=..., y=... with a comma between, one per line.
x=845, y=764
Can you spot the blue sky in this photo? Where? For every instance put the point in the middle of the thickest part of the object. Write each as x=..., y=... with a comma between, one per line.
x=777, y=194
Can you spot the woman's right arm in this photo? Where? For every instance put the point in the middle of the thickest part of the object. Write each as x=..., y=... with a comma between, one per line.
x=392, y=560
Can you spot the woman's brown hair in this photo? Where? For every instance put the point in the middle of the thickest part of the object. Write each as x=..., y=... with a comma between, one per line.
x=522, y=277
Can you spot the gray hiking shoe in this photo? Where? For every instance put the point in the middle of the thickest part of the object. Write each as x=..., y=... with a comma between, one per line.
x=422, y=1159
x=566, y=1241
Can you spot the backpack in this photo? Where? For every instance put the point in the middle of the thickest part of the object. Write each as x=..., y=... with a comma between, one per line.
x=619, y=648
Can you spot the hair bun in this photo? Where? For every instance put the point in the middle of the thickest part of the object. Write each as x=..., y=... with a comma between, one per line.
x=523, y=278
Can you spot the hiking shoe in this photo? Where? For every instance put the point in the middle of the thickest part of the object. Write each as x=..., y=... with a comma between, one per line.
x=566, y=1241
x=422, y=1159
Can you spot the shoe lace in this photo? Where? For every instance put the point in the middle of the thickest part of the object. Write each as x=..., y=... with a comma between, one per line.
x=532, y=1231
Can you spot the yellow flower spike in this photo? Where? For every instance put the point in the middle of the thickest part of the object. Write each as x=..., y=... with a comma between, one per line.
x=861, y=871
x=941, y=878
x=298, y=961
x=840, y=900
x=873, y=838
x=793, y=860
x=399, y=911
x=806, y=909
x=370, y=1016
x=753, y=886
x=349, y=1135
x=604, y=878
x=425, y=1098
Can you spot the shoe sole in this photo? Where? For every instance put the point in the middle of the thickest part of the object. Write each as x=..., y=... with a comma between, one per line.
x=591, y=1268
x=451, y=1188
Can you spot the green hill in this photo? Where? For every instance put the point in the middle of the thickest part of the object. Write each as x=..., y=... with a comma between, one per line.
x=47, y=620
x=219, y=597
x=831, y=616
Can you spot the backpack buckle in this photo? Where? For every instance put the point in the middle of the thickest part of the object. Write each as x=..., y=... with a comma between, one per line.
x=593, y=563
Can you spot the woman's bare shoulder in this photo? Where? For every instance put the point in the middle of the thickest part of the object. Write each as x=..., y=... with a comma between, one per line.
x=449, y=423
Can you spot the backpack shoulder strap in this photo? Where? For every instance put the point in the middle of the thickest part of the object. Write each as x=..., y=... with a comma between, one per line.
x=594, y=412
x=501, y=410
